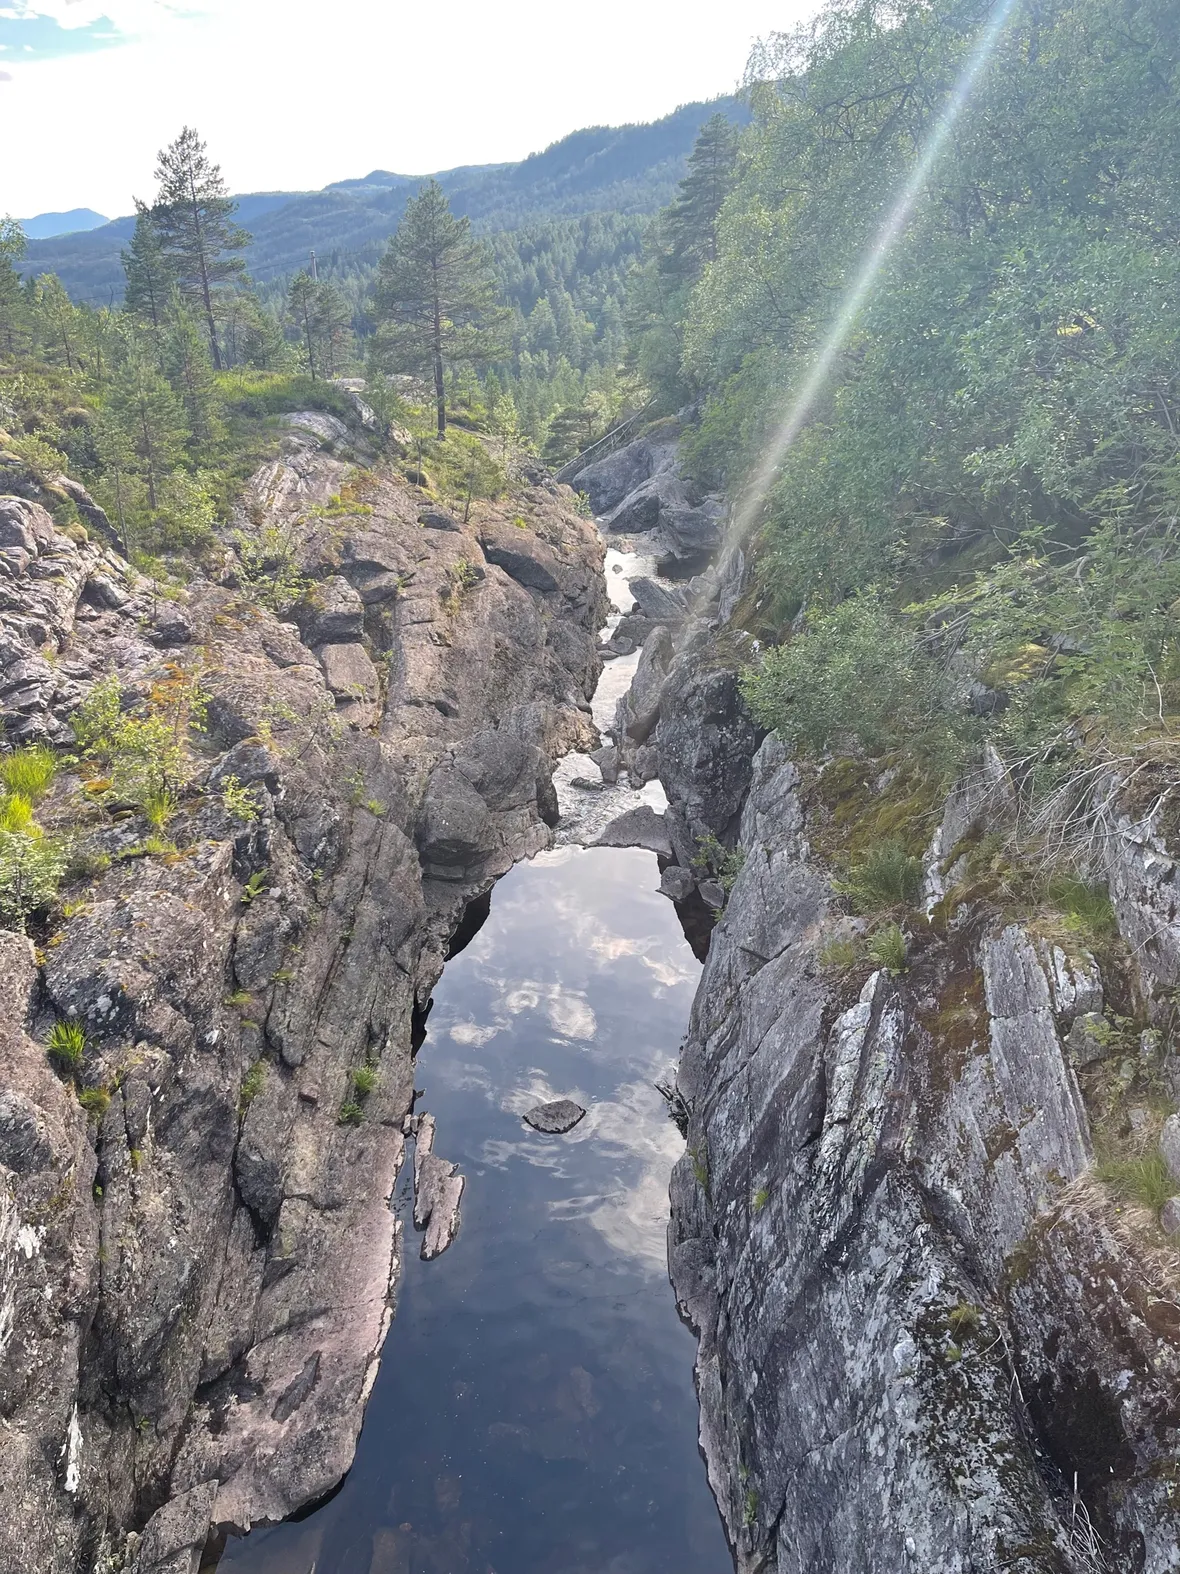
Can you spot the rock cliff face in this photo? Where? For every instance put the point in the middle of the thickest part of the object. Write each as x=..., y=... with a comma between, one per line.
x=930, y=1339
x=195, y=1282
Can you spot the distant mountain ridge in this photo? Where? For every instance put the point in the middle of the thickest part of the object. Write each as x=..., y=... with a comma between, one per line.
x=49, y=226
x=623, y=169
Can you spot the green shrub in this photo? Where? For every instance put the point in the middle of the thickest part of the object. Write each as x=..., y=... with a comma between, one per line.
x=16, y=815
x=67, y=1043
x=1086, y=907
x=257, y=393
x=887, y=948
x=239, y=801
x=885, y=877
x=854, y=678
x=29, y=772
x=31, y=869
x=159, y=806
x=351, y=1114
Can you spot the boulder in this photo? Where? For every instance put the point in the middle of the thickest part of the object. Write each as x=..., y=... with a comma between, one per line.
x=677, y=883
x=349, y=673
x=607, y=760
x=1170, y=1145
x=608, y=481
x=639, y=708
x=439, y=519
x=522, y=556
x=660, y=603
x=555, y=1118
x=333, y=613
x=641, y=827
x=455, y=832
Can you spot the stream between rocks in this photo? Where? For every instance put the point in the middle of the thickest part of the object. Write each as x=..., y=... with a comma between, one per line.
x=534, y=1412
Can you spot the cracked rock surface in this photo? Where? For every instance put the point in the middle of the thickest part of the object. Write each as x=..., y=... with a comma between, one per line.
x=195, y=1283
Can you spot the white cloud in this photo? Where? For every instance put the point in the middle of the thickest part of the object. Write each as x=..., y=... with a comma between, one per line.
x=290, y=96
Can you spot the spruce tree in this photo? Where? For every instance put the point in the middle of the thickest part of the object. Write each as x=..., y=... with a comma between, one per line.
x=186, y=362
x=435, y=298
x=150, y=280
x=194, y=218
x=14, y=311
x=320, y=317
x=146, y=413
x=690, y=224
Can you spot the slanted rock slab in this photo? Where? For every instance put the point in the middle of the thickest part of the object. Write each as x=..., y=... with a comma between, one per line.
x=641, y=827
x=556, y=1118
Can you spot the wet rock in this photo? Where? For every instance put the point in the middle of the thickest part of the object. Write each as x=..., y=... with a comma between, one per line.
x=555, y=1118
x=644, y=765
x=677, y=883
x=638, y=710
x=641, y=827
x=438, y=1193
x=634, y=627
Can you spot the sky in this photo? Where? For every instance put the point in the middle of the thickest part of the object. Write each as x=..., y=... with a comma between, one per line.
x=293, y=94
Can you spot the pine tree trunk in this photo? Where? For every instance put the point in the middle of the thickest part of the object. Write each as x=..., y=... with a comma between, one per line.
x=205, y=290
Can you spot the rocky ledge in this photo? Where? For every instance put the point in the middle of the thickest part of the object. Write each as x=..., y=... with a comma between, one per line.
x=195, y=1278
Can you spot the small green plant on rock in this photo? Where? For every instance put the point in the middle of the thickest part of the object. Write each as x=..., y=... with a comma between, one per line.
x=887, y=948
x=351, y=1114
x=29, y=772
x=95, y=1101
x=240, y=802
x=1143, y=1179
x=760, y=1198
x=254, y=886
x=252, y=1085
x=887, y=876
x=839, y=955
x=963, y=1320
x=365, y=1079
x=67, y=1044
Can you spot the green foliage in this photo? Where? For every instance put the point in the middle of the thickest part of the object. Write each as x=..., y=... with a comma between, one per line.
x=839, y=955
x=724, y=864
x=1087, y=907
x=364, y=1080
x=963, y=1320
x=855, y=677
x=143, y=755
x=16, y=815
x=66, y=1044
x=886, y=876
x=1143, y=1179
x=31, y=866
x=240, y=802
x=255, y=885
x=320, y=318
x=29, y=771
x=95, y=1101
x=887, y=948
x=350, y=1114
x=252, y=1085
x=463, y=469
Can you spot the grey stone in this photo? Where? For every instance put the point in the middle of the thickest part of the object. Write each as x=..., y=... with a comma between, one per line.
x=1170, y=1216
x=170, y=627
x=1170, y=1145
x=349, y=673
x=555, y=1118
x=661, y=603
x=24, y=1142
x=332, y=613
x=638, y=710
x=1089, y=1038
x=609, y=480
x=298, y=1389
x=712, y=893
x=641, y=827
x=607, y=760
x=439, y=519
x=677, y=883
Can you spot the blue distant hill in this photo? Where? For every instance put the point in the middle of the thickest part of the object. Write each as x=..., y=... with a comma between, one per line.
x=46, y=226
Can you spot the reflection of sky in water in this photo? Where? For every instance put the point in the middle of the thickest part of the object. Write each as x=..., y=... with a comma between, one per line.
x=535, y=1411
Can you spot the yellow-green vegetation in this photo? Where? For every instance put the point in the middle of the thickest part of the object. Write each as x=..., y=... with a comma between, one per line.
x=141, y=752
x=1143, y=1179
x=32, y=862
x=365, y=1079
x=66, y=1044
x=839, y=955
x=240, y=802
x=28, y=773
x=252, y=1085
x=963, y=1320
x=462, y=577
x=723, y=863
x=95, y=1101
x=350, y=1114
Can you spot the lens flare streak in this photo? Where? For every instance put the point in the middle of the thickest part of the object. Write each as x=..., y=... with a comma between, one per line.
x=883, y=243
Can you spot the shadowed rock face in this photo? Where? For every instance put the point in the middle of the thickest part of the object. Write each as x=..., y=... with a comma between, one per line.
x=919, y=1315
x=195, y=1284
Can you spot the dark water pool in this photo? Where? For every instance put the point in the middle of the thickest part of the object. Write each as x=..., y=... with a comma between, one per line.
x=535, y=1411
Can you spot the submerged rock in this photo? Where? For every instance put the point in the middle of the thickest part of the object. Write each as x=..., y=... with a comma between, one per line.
x=555, y=1119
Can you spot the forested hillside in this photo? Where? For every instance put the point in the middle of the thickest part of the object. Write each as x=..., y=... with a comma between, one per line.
x=979, y=513
x=616, y=170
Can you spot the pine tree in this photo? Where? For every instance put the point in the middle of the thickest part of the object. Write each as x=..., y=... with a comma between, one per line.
x=435, y=299
x=194, y=217
x=302, y=314
x=690, y=224
x=57, y=317
x=145, y=411
x=150, y=280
